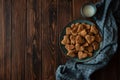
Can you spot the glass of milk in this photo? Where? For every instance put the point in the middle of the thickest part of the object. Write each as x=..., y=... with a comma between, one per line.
x=88, y=10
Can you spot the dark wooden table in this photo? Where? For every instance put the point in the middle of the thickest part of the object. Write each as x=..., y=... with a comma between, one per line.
x=29, y=39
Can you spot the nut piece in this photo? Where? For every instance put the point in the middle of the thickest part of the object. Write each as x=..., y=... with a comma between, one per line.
x=91, y=34
x=71, y=53
x=86, y=25
x=83, y=33
x=89, y=38
x=72, y=39
x=65, y=40
x=76, y=24
x=74, y=30
x=81, y=48
x=94, y=29
x=68, y=30
x=79, y=40
x=80, y=28
x=85, y=51
x=69, y=47
x=89, y=49
x=98, y=38
x=85, y=44
x=82, y=55
x=77, y=47
x=90, y=54
x=95, y=45
x=72, y=26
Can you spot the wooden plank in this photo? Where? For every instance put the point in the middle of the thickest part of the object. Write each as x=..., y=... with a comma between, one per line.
x=18, y=39
x=33, y=56
x=77, y=4
x=64, y=16
x=56, y=14
x=1, y=41
x=48, y=39
x=7, y=39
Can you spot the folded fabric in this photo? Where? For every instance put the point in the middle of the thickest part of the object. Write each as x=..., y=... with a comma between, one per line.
x=104, y=18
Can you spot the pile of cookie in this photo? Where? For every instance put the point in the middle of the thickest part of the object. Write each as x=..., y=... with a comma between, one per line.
x=81, y=40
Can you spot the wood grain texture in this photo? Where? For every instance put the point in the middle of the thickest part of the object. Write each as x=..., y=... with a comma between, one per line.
x=5, y=40
x=64, y=15
x=29, y=39
x=49, y=18
x=18, y=39
x=1, y=40
x=33, y=57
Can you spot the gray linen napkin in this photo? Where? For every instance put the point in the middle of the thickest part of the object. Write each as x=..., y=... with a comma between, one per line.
x=104, y=18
